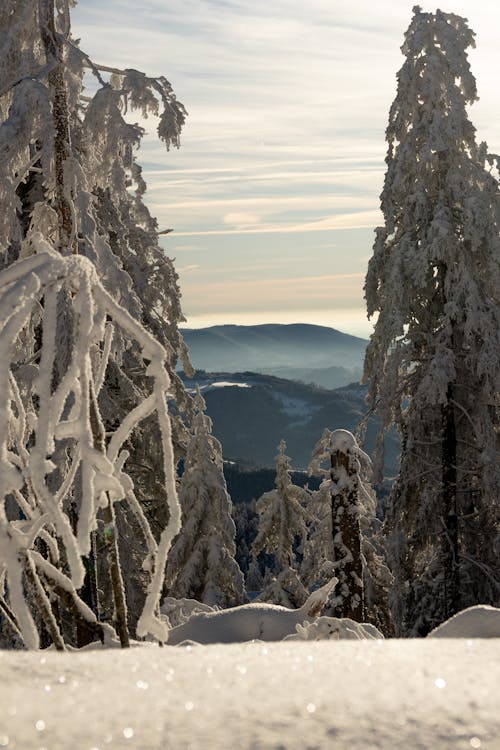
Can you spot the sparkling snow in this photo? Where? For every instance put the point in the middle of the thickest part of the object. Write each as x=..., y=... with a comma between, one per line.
x=395, y=694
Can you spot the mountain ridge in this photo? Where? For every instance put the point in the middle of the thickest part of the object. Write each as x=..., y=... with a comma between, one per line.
x=296, y=351
x=271, y=327
x=252, y=412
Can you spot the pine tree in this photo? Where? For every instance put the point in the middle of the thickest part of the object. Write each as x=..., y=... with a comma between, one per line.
x=340, y=489
x=89, y=308
x=283, y=520
x=202, y=563
x=345, y=538
x=434, y=358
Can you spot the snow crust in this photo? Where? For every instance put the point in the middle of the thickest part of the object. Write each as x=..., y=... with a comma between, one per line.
x=210, y=384
x=350, y=695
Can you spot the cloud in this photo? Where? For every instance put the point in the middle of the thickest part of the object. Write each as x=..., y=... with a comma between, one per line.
x=186, y=248
x=288, y=103
x=271, y=203
x=315, y=292
x=241, y=220
x=354, y=220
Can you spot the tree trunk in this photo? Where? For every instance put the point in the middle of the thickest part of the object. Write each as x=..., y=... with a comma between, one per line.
x=451, y=569
x=10, y=618
x=110, y=561
x=346, y=533
x=74, y=605
x=88, y=594
x=62, y=139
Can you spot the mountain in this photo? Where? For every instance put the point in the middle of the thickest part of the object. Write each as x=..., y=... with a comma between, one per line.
x=252, y=412
x=299, y=351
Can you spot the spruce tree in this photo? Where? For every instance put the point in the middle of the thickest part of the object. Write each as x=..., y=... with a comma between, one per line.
x=202, y=563
x=433, y=361
x=283, y=520
x=336, y=541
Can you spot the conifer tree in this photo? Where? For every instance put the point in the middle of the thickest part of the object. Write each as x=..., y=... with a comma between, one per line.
x=345, y=539
x=434, y=358
x=202, y=563
x=341, y=519
x=89, y=309
x=283, y=519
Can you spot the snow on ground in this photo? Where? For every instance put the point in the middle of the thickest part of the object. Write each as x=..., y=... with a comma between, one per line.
x=295, y=407
x=209, y=384
x=480, y=621
x=345, y=695
x=257, y=620
x=225, y=384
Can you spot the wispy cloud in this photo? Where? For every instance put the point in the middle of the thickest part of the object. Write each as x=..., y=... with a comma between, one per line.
x=187, y=248
x=332, y=291
x=363, y=219
x=284, y=143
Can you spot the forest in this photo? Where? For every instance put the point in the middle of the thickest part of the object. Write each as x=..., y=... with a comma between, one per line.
x=117, y=528
x=121, y=549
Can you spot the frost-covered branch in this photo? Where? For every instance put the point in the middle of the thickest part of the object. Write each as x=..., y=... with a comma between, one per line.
x=63, y=417
x=85, y=342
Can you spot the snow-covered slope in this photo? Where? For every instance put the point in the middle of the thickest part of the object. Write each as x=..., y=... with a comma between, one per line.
x=251, y=413
x=347, y=695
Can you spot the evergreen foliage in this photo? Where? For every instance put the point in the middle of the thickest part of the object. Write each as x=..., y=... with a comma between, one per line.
x=202, y=563
x=434, y=357
x=345, y=538
x=283, y=520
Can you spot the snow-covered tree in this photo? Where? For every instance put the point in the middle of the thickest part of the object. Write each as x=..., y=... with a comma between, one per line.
x=84, y=289
x=434, y=359
x=283, y=521
x=48, y=511
x=202, y=563
x=345, y=538
x=340, y=521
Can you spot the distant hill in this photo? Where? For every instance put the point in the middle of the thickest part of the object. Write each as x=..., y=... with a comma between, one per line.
x=252, y=412
x=245, y=483
x=309, y=353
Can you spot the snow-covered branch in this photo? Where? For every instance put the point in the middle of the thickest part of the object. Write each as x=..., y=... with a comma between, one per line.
x=61, y=418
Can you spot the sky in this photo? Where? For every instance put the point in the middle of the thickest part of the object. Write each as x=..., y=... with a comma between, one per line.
x=274, y=193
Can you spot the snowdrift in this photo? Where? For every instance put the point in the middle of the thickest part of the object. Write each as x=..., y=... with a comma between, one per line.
x=481, y=621
x=198, y=623
x=264, y=622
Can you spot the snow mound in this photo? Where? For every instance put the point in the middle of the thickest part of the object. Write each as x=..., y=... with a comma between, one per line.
x=481, y=621
x=179, y=611
x=334, y=629
x=255, y=621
